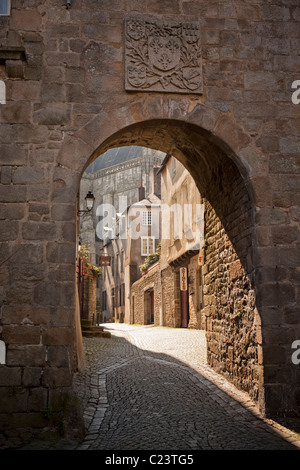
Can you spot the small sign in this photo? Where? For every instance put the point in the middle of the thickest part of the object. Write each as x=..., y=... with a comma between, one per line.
x=183, y=278
x=104, y=260
x=201, y=257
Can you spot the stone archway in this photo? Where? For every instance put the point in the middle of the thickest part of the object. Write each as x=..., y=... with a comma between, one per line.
x=230, y=274
x=67, y=101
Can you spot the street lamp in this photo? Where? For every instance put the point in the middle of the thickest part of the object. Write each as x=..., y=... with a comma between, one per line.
x=89, y=202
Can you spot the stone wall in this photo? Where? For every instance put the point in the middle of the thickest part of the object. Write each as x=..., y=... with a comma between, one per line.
x=66, y=104
x=171, y=296
x=232, y=319
x=89, y=299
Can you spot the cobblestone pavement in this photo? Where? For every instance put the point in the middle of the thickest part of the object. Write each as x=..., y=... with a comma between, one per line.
x=149, y=388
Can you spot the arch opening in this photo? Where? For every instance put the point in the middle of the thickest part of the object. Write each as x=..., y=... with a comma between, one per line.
x=229, y=312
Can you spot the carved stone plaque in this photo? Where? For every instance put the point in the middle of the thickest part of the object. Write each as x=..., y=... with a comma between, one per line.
x=162, y=55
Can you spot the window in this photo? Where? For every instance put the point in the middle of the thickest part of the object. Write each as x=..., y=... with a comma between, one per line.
x=113, y=298
x=122, y=262
x=4, y=7
x=104, y=305
x=148, y=245
x=147, y=218
x=112, y=266
x=173, y=167
x=117, y=265
x=123, y=294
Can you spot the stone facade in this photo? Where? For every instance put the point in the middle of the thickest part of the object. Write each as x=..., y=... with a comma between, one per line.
x=144, y=291
x=66, y=104
x=181, y=244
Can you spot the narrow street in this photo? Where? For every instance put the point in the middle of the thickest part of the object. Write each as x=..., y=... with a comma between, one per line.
x=148, y=388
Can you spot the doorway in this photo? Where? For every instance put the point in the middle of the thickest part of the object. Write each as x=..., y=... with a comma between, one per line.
x=149, y=307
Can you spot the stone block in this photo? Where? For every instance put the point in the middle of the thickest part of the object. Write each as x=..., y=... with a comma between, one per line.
x=28, y=355
x=53, y=92
x=27, y=90
x=38, y=194
x=75, y=75
x=204, y=117
x=53, y=115
x=32, y=376
x=10, y=377
x=275, y=13
x=63, y=212
x=61, y=253
x=107, y=33
x=47, y=293
x=41, y=209
x=58, y=336
x=14, y=69
x=289, y=145
x=27, y=272
x=25, y=20
x=13, y=399
x=31, y=134
x=8, y=230
x=28, y=253
x=271, y=216
x=63, y=317
x=70, y=59
x=277, y=294
x=22, y=313
x=168, y=6
x=26, y=175
x=292, y=314
x=60, y=377
x=75, y=93
x=69, y=231
x=13, y=154
x=37, y=400
x=62, y=272
x=232, y=136
x=63, y=30
x=6, y=175
x=39, y=231
x=21, y=334
x=59, y=356
x=261, y=81
x=289, y=256
x=284, y=235
x=19, y=293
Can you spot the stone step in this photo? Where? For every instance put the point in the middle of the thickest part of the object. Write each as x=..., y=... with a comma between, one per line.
x=92, y=328
x=96, y=334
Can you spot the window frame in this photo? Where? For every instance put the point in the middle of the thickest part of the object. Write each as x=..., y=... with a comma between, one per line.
x=147, y=250
x=8, y=4
x=147, y=218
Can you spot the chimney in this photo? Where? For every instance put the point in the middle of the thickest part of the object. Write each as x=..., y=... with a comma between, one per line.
x=141, y=192
x=156, y=181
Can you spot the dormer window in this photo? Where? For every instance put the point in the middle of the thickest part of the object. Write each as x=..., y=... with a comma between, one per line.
x=5, y=7
x=147, y=218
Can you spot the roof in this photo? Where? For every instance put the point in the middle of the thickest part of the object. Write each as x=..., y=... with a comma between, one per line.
x=113, y=157
x=164, y=162
x=151, y=199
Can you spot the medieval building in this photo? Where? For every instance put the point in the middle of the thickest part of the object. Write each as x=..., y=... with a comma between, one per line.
x=117, y=179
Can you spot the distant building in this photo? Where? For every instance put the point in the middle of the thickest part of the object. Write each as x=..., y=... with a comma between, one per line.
x=170, y=292
x=181, y=247
x=118, y=179
x=136, y=235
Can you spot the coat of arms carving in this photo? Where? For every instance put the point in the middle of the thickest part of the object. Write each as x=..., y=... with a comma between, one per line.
x=162, y=55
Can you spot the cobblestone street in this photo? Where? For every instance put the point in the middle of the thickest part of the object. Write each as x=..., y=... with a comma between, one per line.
x=148, y=388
